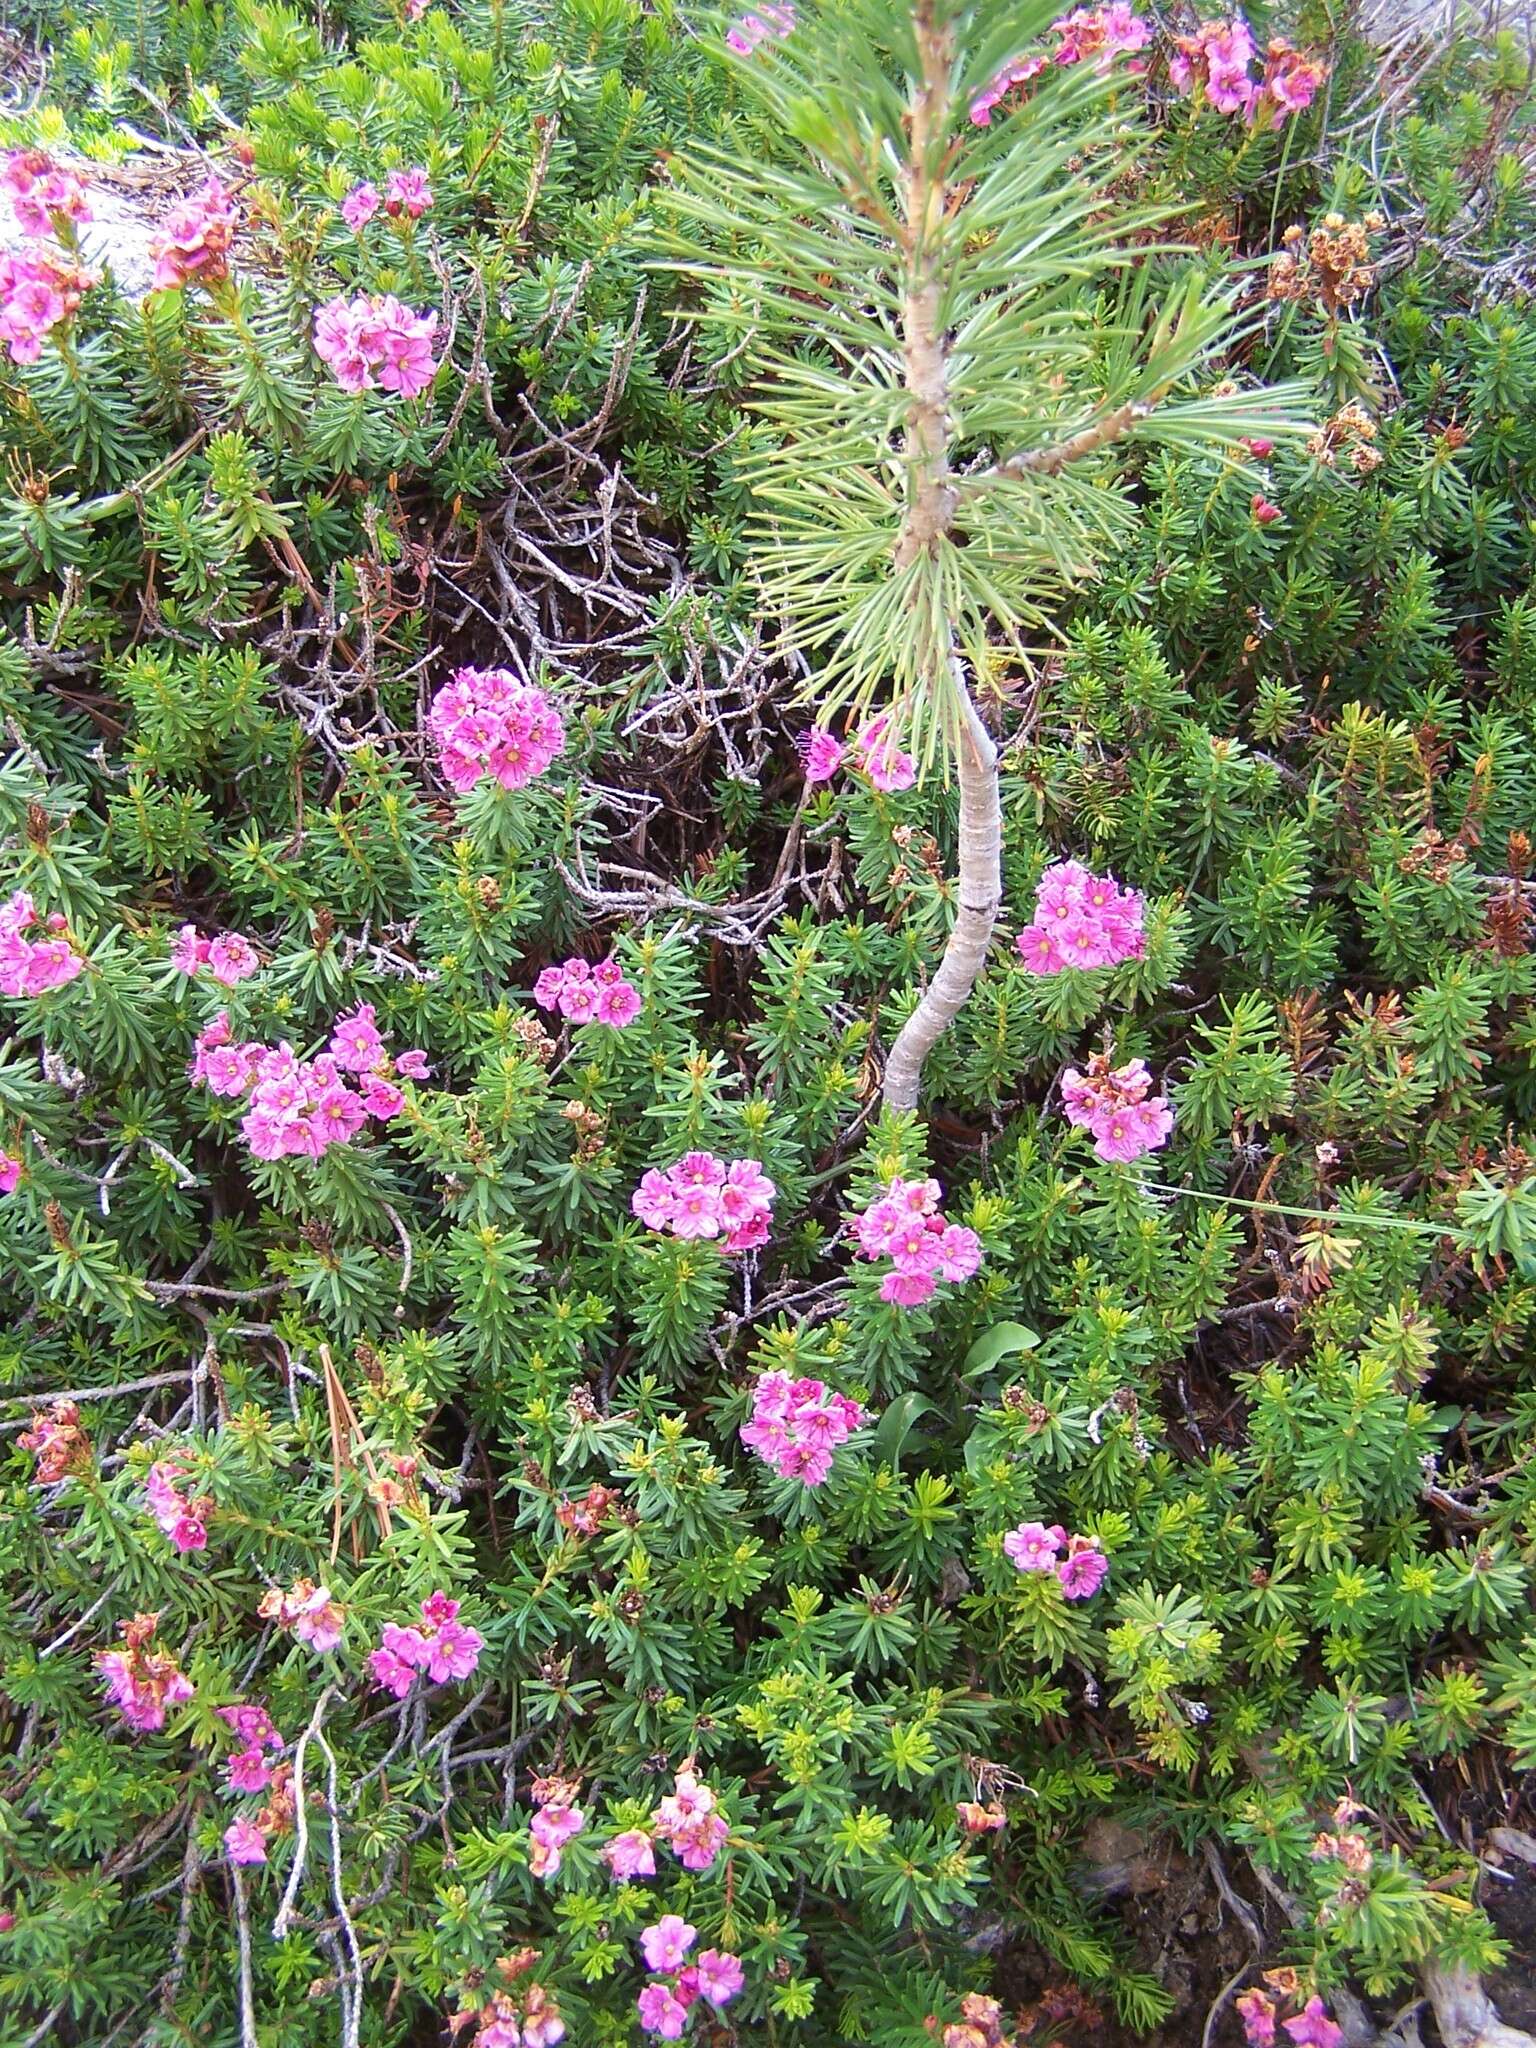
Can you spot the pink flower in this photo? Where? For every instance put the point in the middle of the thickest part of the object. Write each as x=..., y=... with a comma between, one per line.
x=359, y=206
x=619, y=1005
x=654, y=1202
x=408, y=192
x=38, y=291
x=251, y=1725
x=887, y=767
x=959, y=1253
x=355, y=1041
x=1290, y=83
x=696, y=1213
x=749, y=30
x=1083, y=1570
x=720, y=1975
x=391, y=1670
x=406, y=363
x=630, y=1854
x=821, y=752
x=308, y=1610
x=1214, y=61
x=189, y=952
x=453, y=1651
x=10, y=1174
x=1256, y=2009
x=245, y=1842
x=1039, y=951
x=908, y=1289
x=1312, y=2028
x=554, y=1826
x=579, y=1000
x=247, y=1771
x=1265, y=513
x=1032, y=1547
x=1081, y=920
x=412, y=1065
x=549, y=988
x=1013, y=75
x=194, y=239
x=661, y=2013
x=382, y=1098
x=667, y=1943
x=231, y=958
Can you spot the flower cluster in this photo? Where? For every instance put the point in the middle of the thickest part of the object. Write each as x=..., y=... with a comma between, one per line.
x=33, y=966
x=229, y=958
x=584, y=994
x=142, y=1681
x=980, y=2024
x=58, y=1443
x=1310, y=2027
x=873, y=750
x=797, y=1425
x=184, y=1521
x=46, y=199
x=903, y=1224
x=676, y=1985
x=1081, y=920
x=557, y=1820
x=1094, y=35
x=443, y=1648
x=194, y=239
x=1100, y=34
x=41, y=289
x=37, y=292
x=687, y=1819
x=526, y=2018
x=1032, y=1547
x=308, y=1611
x=248, y=1770
x=748, y=30
x=485, y=722
x=369, y=343
x=702, y=1196
x=1118, y=1106
x=300, y=1108
x=1216, y=63
x=1331, y=266
x=1018, y=71
x=1351, y=431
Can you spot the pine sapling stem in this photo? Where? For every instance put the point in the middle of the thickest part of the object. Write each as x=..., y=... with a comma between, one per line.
x=929, y=516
